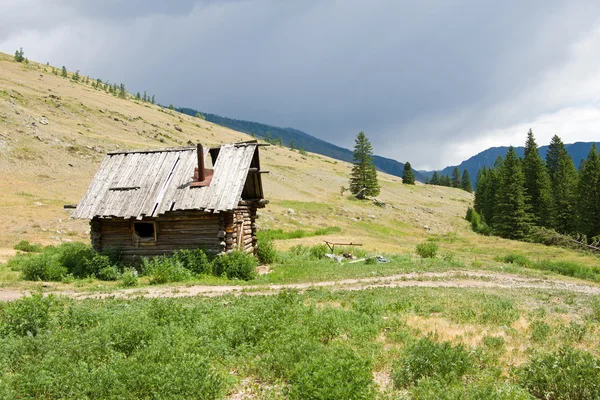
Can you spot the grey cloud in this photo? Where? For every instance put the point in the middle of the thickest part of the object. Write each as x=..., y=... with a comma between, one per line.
x=414, y=77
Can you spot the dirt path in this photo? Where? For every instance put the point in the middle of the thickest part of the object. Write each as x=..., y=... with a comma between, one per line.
x=450, y=279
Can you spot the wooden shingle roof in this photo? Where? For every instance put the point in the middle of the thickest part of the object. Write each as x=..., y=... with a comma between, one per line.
x=149, y=183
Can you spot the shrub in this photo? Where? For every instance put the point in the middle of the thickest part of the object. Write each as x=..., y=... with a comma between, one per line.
x=539, y=331
x=427, y=249
x=318, y=251
x=27, y=247
x=566, y=374
x=516, y=258
x=299, y=250
x=428, y=359
x=26, y=316
x=265, y=251
x=75, y=258
x=428, y=389
x=493, y=342
x=334, y=373
x=165, y=269
x=42, y=267
x=236, y=265
x=595, y=306
x=101, y=267
x=129, y=277
x=469, y=215
x=569, y=269
x=195, y=260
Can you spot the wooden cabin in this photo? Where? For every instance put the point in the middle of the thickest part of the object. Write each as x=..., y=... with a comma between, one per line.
x=153, y=202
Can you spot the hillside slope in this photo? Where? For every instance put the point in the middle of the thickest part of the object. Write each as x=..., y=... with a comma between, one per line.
x=55, y=132
x=304, y=140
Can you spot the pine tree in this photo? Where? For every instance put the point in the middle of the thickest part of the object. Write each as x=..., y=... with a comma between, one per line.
x=145, y=97
x=435, y=178
x=75, y=76
x=64, y=72
x=364, y=173
x=280, y=141
x=588, y=195
x=122, y=91
x=153, y=100
x=564, y=194
x=171, y=107
x=427, y=180
x=19, y=55
x=511, y=219
x=292, y=145
x=466, y=182
x=537, y=184
x=456, y=182
x=408, y=177
x=446, y=181
x=555, y=149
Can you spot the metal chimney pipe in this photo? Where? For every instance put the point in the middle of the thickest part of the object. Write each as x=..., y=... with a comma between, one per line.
x=201, y=176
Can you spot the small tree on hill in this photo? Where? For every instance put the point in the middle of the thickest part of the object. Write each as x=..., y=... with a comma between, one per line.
x=292, y=145
x=64, y=72
x=435, y=178
x=19, y=55
x=456, y=182
x=75, y=76
x=588, y=195
x=122, y=91
x=138, y=96
x=153, y=101
x=466, y=182
x=408, y=177
x=364, y=173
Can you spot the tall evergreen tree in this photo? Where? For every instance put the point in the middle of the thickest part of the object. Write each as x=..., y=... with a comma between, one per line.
x=20, y=55
x=122, y=91
x=466, y=182
x=537, y=184
x=435, y=178
x=145, y=97
x=564, y=187
x=64, y=72
x=588, y=195
x=364, y=173
x=446, y=181
x=153, y=100
x=555, y=148
x=408, y=177
x=456, y=182
x=510, y=219
x=292, y=145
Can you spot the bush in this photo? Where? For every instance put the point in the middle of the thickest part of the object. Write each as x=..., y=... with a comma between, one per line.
x=478, y=224
x=26, y=316
x=42, y=267
x=163, y=269
x=428, y=389
x=516, y=258
x=101, y=267
x=567, y=268
x=195, y=260
x=469, y=215
x=566, y=374
x=493, y=342
x=428, y=359
x=265, y=251
x=27, y=247
x=335, y=373
x=539, y=331
x=427, y=249
x=318, y=251
x=236, y=265
x=75, y=258
x=129, y=277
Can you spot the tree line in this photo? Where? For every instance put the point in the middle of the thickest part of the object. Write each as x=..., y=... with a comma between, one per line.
x=456, y=181
x=517, y=195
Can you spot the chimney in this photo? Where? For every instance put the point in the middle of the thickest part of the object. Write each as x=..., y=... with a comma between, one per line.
x=201, y=175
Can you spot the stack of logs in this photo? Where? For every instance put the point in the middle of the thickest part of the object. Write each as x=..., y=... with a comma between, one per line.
x=240, y=229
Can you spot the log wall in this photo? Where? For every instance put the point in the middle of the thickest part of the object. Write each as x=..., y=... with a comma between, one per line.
x=174, y=231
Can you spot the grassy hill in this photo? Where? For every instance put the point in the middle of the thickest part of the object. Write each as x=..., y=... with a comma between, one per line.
x=302, y=139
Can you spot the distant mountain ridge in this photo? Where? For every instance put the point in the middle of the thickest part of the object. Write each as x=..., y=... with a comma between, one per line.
x=577, y=151
x=301, y=139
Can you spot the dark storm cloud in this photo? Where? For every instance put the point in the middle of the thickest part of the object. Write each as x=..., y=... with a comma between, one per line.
x=417, y=77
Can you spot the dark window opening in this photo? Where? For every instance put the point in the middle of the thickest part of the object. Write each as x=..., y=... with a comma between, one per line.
x=144, y=231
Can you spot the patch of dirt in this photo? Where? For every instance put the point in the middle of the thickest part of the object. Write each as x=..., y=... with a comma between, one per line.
x=5, y=254
x=449, y=279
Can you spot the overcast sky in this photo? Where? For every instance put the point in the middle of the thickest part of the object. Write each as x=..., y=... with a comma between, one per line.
x=430, y=82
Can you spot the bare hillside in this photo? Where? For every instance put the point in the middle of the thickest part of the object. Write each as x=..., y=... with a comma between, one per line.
x=54, y=133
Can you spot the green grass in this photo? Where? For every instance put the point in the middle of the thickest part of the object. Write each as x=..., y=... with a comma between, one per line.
x=321, y=344
x=566, y=268
x=279, y=234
